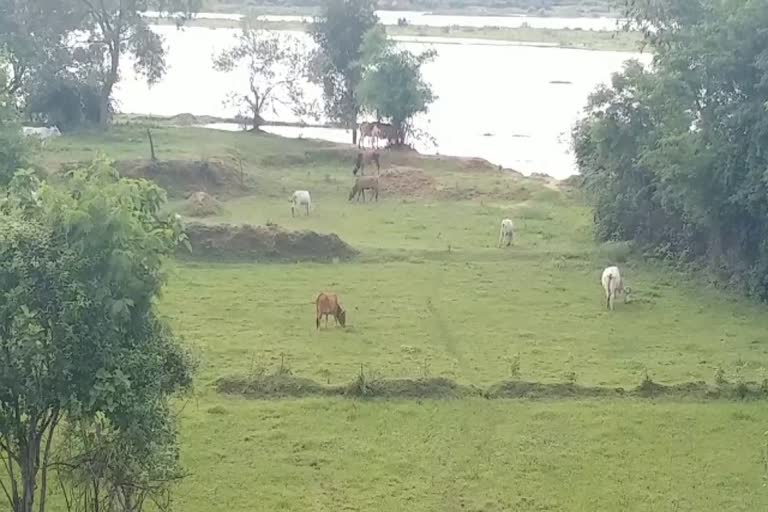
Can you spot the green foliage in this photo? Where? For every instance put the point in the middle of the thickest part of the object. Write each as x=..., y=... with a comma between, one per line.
x=81, y=266
x=13, y=149
x=673, y=158
x=65, y=102
x=33, y=35
x=276, y=67
x=339, y=32
x=117, y=28
x=392, y=85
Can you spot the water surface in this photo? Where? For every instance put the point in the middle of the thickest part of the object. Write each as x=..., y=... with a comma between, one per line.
x=512, y=104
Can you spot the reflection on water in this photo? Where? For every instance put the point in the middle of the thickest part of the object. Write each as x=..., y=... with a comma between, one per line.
x=513, y=105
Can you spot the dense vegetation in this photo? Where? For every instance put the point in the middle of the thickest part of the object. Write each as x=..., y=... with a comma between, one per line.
x=674, y=157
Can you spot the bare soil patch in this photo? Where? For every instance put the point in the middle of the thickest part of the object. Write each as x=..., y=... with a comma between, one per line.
x=181, y=178
x=407, y=182
x=264, y=243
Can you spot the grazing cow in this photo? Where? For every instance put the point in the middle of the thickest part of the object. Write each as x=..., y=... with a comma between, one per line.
x=507, y=233
x=365, y=183
x=366, y=131
x=328, y=305
x=387, y=132
x=364, y=158
x=613, y=286
x=42, y=132
x=300, y=198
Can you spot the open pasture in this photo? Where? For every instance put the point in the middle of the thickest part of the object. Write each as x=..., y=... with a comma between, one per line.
x=432, y=296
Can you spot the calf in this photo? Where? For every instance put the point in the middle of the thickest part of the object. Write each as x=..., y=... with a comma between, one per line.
x=365, y=183
x=300, y=198
x=328, y=305
x=507, y=233
x=613, y=286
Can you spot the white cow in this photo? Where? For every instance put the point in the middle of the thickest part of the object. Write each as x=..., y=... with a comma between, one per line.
x=507, y=233
x=300, y=198
x=41, y=132
x=613, y=286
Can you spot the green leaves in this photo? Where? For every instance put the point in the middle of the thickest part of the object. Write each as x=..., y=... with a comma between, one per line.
x=81, y=264
x=674, y=158
x=392, y=84
x=339, y=32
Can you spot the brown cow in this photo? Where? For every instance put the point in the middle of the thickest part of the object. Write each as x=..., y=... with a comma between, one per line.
x=364, y=183
x=327, y=305
x=364, y=158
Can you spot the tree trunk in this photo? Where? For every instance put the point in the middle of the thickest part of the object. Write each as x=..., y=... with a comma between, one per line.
x=30, y=458
x=354, y=135
x=104, y=107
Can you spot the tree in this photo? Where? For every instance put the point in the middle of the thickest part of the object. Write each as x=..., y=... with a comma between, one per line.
x=14, y=150
x=673, y=158
x=339, y=32
x=393, y=86
x=81, y=265
x=33, y=37
x=276, y=70
x=116, y=27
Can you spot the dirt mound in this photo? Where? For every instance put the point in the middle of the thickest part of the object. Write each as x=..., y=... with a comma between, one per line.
x=201, y=204
x=184, y=177
x=407, y=181
x=270, y=386
x=264, y=243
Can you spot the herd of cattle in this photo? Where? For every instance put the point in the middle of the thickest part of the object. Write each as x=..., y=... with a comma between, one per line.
x=328, y=304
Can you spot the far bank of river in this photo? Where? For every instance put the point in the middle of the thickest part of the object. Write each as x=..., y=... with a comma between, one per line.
x=512, y=104
x=586, y=33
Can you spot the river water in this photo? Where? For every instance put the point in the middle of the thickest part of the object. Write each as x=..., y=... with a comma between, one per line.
x=511, y=104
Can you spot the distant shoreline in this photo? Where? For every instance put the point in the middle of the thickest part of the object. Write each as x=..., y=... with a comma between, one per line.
x=557, y=38
x=298, y=10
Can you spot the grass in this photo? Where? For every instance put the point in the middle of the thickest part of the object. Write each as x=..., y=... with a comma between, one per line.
x=617, y=40
x=476, y=455
x=431, y=296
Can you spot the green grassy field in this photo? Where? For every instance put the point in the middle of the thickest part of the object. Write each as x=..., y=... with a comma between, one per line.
x=431, y=296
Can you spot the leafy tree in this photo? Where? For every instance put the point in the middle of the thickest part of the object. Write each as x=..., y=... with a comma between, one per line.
x=116, y=27
x=33, y=37
x=81, y=265
x=339, y=32
x=673, y=158
x=276, y=70
x=13, y=149
x=393, y=86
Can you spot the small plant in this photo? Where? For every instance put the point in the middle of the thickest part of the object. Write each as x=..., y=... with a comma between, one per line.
x=425, y=369
x=514, y=366
x=720, y=379
x=257, y=370
x=325, y=373
x=283, y=369
x=364, y=385
x=570, y=375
